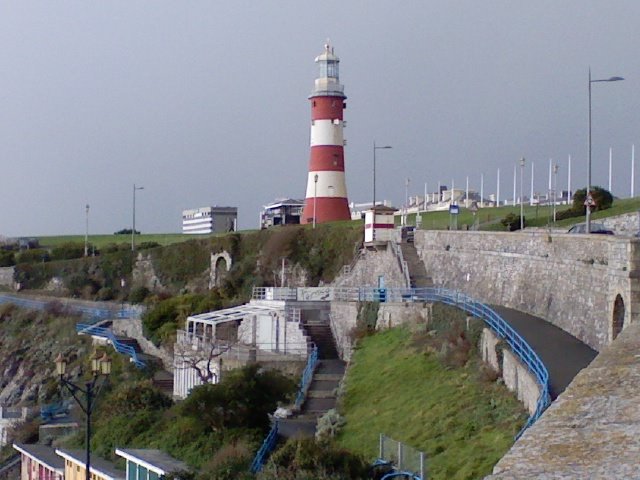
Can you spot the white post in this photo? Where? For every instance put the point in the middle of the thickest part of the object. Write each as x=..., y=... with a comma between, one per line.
x=425, y=195
x=439, y=196
x=569, y=196
x=531, y=195
x=610, y=162
x=514, y=185
x=550, y=168
x=633, y=169
x=453, y=187
x=466, y=194
x=482, y=190
x=498, y=190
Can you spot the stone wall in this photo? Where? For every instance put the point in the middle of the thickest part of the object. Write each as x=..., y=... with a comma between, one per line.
x=6, y=276
x=570, y=280
x=372, y=264
x=132, y=327
x=627, y=224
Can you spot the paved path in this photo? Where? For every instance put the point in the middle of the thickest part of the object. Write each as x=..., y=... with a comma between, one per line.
x=562, y=353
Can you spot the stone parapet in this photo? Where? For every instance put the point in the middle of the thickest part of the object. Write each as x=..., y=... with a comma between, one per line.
x=592, y=429
x=572, y=281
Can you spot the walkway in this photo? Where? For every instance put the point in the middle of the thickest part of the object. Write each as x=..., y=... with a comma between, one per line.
x=562, y=353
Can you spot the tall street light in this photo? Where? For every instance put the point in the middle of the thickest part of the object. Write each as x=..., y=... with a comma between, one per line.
x=521, y=195
x=588, y=198
x=373, y=206
x=133, y=227
x=315, y=197
x=100, y=367
x=86, y=233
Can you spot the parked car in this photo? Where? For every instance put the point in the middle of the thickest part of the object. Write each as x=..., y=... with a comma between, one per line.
x=595, y=228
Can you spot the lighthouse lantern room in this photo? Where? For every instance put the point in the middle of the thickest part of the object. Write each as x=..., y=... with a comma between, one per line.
x=326, y=197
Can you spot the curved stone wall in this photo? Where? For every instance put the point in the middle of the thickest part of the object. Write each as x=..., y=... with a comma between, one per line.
x=571, y=281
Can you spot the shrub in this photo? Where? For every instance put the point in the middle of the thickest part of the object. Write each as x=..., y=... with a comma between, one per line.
x=68, y=251
x=329, y=425
x=512, y=222
x=7, y=258
x=601, y=196
x=33, y=256
x=139, y=294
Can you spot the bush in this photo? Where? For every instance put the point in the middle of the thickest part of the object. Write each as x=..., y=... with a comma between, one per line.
x=601, y=196
x=33, y=256
x=7, y=258
x=68, y=251
x=512, y=222
x=139, y=294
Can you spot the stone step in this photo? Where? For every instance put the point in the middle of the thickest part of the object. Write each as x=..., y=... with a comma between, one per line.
x=324, y=384
x=321, y=394
x=297, y=427
x=318, y=406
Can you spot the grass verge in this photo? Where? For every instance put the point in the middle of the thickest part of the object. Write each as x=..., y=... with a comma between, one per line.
x=462, y=422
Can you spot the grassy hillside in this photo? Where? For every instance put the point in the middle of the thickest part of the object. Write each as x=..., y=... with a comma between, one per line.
x=100, y=241
x=421, y=391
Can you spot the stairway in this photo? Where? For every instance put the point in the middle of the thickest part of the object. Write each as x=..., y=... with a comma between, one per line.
x=322, y=392
x=417, y=273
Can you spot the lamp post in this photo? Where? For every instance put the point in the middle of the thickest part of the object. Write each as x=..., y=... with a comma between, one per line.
x=86, y=233
x=373, y=206
x=100, y=367
x=315, y=197
x=521, y=194
x=588, y=192
x=133, y=227
x=555, y=192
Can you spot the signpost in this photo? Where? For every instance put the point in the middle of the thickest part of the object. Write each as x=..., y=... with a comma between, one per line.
x=454, y=210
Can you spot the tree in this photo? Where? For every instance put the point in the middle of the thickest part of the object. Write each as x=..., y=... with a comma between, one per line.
x=602, y=198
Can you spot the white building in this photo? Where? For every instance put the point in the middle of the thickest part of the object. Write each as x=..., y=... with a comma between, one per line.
x=285, y=211
x=210, y=220
x=267, y=329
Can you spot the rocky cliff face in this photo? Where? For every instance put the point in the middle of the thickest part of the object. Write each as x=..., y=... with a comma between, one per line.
x=29, y=343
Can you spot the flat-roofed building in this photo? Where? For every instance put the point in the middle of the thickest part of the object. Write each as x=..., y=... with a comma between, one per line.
x=39, y=462
x=150, y=464
x=75, y=466
x=210, y=220
x=281, y=212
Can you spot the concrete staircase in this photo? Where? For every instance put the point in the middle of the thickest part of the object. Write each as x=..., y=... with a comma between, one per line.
x=322, y=391
x=417, y=273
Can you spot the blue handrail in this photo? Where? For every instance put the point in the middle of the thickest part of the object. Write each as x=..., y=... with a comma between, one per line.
x=267, y=447
x=307, y=376
x=495, y=322
x=120, y=347
x=270, y=442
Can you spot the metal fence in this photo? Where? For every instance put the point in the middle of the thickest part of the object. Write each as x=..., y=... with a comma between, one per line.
x=403, y=458
x=120, y=347
x=274, y=293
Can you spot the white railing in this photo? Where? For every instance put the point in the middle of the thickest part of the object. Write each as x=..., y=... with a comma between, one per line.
x=261, y=351
x=274, y=293
x=403, y=263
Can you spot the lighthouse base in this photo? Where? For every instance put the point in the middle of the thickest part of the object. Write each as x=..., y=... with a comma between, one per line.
x=327, y=209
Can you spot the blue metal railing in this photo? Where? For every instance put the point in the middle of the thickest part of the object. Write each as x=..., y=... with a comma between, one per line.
x=495, y=322
x=270, y=441
x=267, y=447
x=89, y=314
x=49, y=411
x=119, y=346
x=307, y=375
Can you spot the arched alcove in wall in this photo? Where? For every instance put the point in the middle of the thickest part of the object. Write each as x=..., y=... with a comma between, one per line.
x=617, y=323
x=220, y=266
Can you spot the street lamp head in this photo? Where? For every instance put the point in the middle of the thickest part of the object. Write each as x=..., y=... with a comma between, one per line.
x=61, y=365
x=95, y=362
x=105, y=364
x=615, y=79
x=386, y=146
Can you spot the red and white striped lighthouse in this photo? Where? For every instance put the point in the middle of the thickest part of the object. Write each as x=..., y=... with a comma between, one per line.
x=326, y=198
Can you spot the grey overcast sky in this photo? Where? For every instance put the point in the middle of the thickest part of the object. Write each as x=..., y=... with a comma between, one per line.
x=205, y=102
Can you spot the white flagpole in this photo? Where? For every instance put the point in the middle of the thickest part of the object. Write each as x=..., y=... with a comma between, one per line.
x=514, y=185
x=498, y=190
x=531, y=196
x=569, y=182
x=610, y=163
x=481, y=189
x=633, y=170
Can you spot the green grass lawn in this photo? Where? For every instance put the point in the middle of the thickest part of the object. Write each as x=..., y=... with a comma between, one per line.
x=536, y=216
x=462, y=423
x=101, y=240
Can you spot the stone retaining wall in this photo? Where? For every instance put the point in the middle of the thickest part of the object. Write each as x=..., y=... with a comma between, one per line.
x=570, y=280
x=132, y=327
x=6, y=276
x=372, y=264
